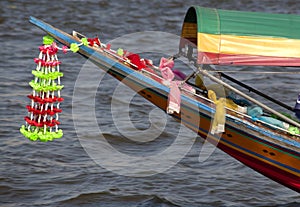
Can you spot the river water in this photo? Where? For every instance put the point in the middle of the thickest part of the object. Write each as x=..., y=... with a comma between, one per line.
x=151, y=168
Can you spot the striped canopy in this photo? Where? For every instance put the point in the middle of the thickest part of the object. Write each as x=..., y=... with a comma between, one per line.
x=242, y=38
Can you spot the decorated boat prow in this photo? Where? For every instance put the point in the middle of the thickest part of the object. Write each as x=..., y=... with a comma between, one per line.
x=243, y=129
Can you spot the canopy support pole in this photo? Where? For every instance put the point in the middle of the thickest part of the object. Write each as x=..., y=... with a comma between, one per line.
x=206, y=73
x=257, y=92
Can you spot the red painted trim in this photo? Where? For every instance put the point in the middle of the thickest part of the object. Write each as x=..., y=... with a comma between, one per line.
x=226, y=59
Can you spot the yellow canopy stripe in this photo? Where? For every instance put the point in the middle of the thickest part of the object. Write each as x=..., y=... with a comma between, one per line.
x=249, y=45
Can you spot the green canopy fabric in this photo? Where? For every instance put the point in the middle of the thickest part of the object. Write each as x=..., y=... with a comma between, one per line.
x=244, y=38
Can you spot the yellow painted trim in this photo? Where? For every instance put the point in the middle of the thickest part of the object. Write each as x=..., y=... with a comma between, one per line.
x=248, y=45
x=216, y=140
x=256, y=157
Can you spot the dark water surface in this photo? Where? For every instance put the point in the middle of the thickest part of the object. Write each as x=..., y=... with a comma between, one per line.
x=64, y=172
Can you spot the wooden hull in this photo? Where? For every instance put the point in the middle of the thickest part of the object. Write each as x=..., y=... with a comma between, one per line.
x=262, y=149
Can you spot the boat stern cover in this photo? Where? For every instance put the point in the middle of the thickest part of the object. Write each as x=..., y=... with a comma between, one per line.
x=242, y=38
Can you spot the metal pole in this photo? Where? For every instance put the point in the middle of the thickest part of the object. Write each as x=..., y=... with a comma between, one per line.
x=257, y=92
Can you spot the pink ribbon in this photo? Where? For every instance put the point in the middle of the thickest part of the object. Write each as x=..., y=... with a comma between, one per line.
x=174, y=97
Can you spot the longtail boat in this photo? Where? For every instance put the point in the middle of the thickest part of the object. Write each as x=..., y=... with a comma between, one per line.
x=216, y=37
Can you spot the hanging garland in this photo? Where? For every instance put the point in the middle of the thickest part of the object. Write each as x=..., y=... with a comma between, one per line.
x=42, y=120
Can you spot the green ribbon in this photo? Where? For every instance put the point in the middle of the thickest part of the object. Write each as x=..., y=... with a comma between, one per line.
x=120, y=52
x=293, y=130
x=85, y=41
x=40, y=135
x=45, y=88
x=48, y=40
x=49, y=76
x=74, y=47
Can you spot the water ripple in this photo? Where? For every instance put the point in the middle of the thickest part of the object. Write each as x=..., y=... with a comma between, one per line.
x=61, y=173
